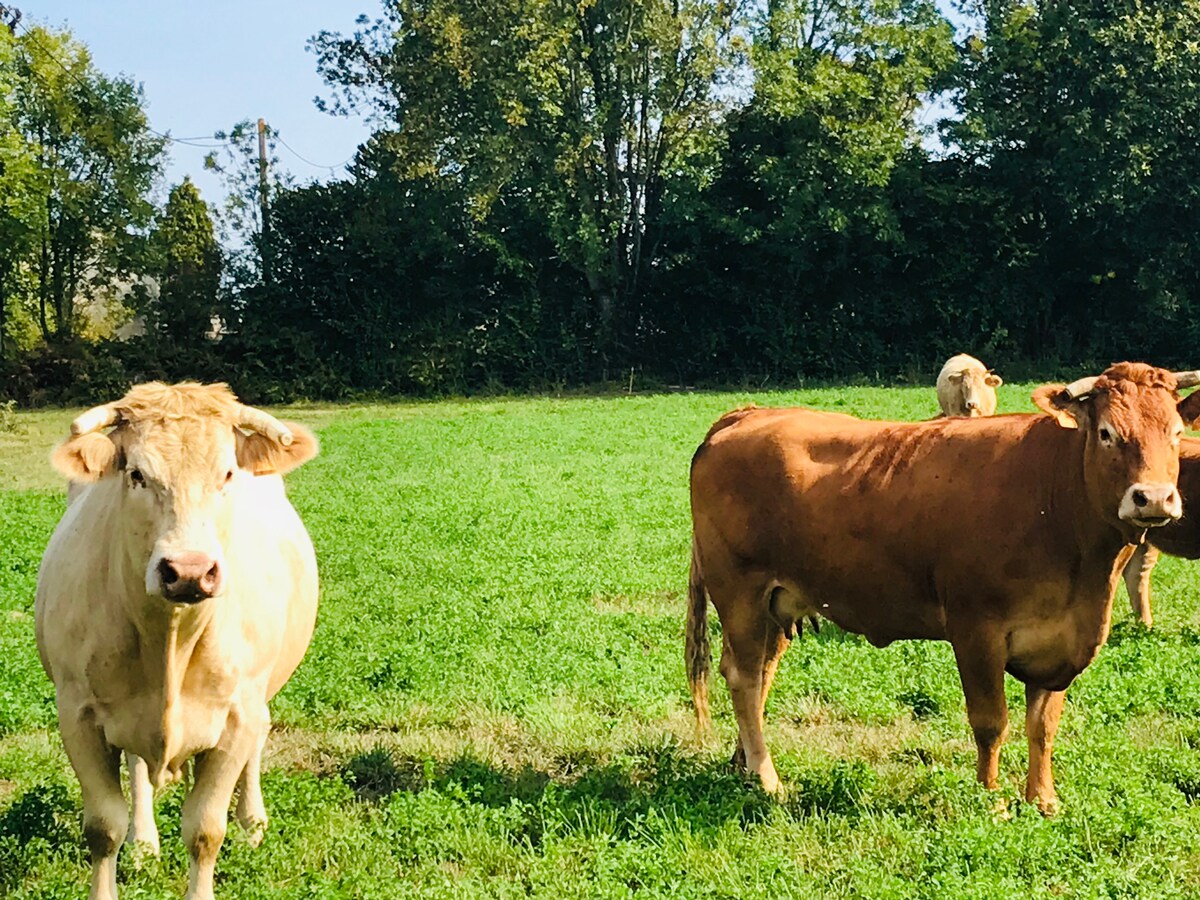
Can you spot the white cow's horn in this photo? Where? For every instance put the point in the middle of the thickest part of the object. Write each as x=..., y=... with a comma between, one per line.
x=257, y=420
x=96, y=418
x=1187, y=379
x=1082, y=387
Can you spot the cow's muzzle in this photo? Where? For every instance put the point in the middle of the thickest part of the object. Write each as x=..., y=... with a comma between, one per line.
x=189, y=577
x=1148, y=505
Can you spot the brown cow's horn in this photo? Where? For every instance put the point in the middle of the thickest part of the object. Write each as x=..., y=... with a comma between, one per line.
x=1187, y=379
x=263, y=423
x=1082, y=387
x=96, y=418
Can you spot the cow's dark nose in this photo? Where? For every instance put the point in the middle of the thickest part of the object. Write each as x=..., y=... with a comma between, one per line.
x=1140, y=499
x=189, y=577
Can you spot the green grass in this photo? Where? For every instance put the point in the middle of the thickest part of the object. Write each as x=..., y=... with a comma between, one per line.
x=494, y=702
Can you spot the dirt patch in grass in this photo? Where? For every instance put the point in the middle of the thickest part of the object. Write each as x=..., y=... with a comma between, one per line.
x=661, y=603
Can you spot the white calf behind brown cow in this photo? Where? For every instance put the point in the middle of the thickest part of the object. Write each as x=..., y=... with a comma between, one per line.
x=966, y=387
x=177, y=595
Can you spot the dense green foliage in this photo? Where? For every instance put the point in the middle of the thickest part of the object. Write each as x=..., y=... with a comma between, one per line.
x=494, y=704
x=85, y=164
x=685, y=191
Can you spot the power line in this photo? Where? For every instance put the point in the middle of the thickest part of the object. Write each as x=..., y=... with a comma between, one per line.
x=309, y=161
x=191, y=142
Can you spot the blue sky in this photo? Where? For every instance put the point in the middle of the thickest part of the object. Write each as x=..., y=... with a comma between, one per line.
x=206, y=65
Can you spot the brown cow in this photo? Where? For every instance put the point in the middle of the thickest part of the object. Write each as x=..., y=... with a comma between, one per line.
x=1179, y=539
x=798, y=513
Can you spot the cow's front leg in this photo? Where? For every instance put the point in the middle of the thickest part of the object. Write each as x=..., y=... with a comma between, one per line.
x=1137, y=581
x=251, y=811
x=206, y=810
x=97, y=765
x=143, y=833
x=1043, y=709
x=981, y=668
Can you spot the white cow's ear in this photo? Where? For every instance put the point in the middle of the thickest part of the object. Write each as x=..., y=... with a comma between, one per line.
x=1056, y=401
x=86, y=457
x=261, y=455
x=993, y=380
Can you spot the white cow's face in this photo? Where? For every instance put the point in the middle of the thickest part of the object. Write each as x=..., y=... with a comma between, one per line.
x=177, y=481
x=978, y=387
x=174, y=471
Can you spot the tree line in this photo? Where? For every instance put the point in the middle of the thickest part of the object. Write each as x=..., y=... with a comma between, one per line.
x=689, y=191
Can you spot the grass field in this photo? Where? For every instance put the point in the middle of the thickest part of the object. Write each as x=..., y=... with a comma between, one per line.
x=494, y=704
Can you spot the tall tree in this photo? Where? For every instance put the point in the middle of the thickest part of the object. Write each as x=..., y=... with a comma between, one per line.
x=783, y=252
x=188, y=264
x=19, y=188
x=95, y=161
x=581, y=110
x=1084, y=116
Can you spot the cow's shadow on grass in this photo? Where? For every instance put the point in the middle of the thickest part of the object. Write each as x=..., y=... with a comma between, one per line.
x=705, y=794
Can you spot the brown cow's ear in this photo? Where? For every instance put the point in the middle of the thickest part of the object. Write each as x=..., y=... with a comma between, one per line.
x=993, y=381
x=262, y=455
x=85, y=458
x=1056, y=402
x=1189, y=409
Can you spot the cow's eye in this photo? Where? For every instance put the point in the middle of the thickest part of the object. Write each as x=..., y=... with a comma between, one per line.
x=229, y=476
x=136, y=476
x=1105, y=436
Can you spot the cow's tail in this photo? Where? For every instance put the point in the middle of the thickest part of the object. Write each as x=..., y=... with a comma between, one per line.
x=696, y=649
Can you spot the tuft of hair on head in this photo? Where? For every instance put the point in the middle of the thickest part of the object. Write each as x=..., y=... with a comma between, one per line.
x=155, y=400
x=1136, y=374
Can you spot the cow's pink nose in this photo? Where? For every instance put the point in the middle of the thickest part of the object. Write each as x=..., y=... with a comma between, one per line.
x=189, y=577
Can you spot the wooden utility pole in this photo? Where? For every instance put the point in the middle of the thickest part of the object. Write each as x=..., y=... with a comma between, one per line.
x=264, y=201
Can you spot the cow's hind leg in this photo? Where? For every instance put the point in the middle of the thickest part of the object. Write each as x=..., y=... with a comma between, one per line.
x=776, y=642
x=743, y=665
x=251, y=811
x=143, y=833
x=1137, y=581
x=105, y=814
x=981, y=668
x=1043, y=709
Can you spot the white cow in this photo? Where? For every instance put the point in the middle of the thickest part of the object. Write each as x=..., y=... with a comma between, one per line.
x=966, y=387
x=177, y=595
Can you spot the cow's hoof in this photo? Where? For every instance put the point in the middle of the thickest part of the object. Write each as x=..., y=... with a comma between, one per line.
x=1048, y=807
x=142, y=851
x=256, y=830
x=770, y=782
